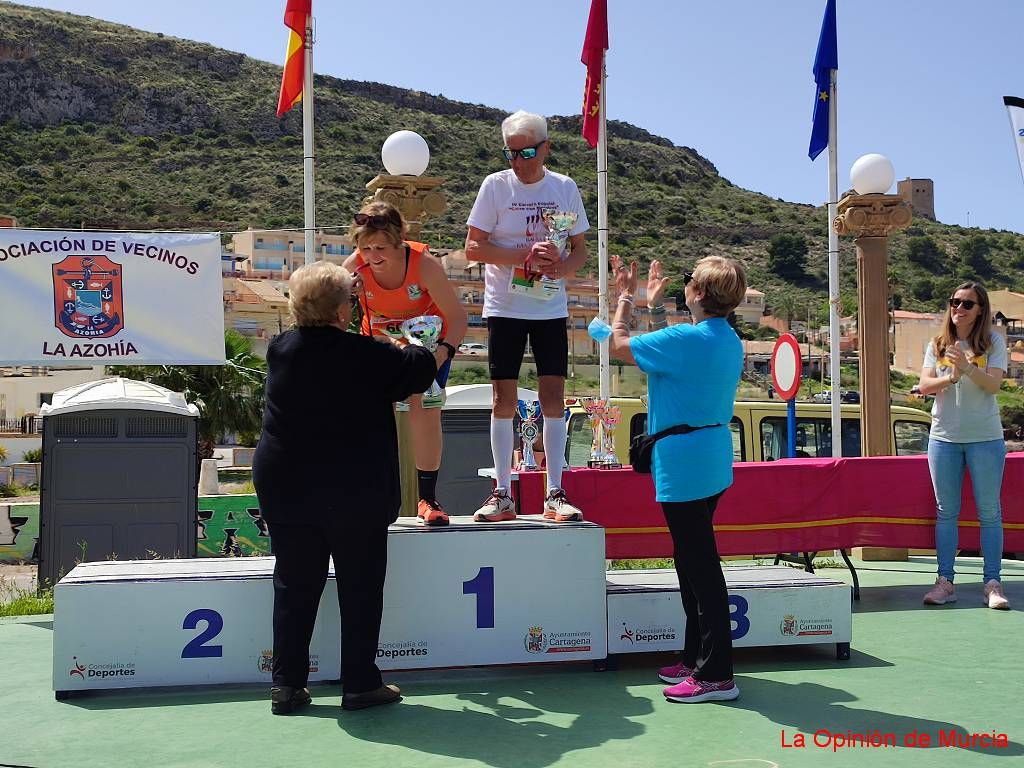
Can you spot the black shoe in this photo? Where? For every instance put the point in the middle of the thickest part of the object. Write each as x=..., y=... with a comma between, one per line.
x=285, y=699
x=386, y=694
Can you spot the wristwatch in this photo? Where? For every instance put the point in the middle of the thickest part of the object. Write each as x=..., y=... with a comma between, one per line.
x=449, y=347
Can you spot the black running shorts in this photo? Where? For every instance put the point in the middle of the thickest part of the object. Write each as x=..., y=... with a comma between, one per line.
x=506, y=345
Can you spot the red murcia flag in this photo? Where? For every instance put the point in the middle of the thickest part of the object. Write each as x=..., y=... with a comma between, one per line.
x=295, y=14
x=594, y=46
x=88, y=302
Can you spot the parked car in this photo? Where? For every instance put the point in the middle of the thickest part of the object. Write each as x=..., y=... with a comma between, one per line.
x=850, y=396
x=472, y=348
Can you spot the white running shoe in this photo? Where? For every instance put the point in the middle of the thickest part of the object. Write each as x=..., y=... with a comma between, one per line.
x=558, y=508
x=497, y=507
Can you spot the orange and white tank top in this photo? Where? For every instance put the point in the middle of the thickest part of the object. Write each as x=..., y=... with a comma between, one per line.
x=384, y=309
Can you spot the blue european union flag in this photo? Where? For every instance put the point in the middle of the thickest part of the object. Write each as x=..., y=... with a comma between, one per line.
x=826, y=59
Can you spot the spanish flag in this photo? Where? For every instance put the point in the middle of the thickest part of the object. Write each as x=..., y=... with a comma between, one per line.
x=295, y=15
x=594, y=45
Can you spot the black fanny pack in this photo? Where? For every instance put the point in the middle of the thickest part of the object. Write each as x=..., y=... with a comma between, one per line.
x=641, y=448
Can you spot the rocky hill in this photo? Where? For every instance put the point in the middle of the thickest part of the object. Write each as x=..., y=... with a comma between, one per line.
x=106, y=126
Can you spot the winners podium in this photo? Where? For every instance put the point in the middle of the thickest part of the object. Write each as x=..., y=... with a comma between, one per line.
x=469, y=594
x=522, y=591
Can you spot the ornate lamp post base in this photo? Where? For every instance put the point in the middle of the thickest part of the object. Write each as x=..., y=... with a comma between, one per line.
x=417, y=197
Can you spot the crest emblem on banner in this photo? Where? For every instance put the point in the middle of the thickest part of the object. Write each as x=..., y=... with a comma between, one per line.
x=87, y=297
x=534, y=641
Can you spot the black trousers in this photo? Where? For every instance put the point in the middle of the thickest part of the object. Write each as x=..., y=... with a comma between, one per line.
x=300, y=573
x=708, y=641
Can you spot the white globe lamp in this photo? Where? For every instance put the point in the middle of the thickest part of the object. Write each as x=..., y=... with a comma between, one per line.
x=405, y=153
x=872, y=174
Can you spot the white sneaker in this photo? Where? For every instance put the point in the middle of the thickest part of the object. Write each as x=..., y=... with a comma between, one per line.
x=558, y=508
x=993, y=596
x=497, y=507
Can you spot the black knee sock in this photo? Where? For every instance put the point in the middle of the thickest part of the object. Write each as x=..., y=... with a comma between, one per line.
x=427, y=479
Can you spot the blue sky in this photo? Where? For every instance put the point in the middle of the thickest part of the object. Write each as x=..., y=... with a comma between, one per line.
x=920, y=81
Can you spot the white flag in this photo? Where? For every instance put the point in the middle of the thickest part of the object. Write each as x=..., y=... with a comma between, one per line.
x=1015, y=107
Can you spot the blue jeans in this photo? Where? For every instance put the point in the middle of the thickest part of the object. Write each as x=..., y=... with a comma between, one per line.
x=985, y=461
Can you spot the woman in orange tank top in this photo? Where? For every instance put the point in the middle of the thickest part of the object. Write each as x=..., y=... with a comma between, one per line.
x=398, y=280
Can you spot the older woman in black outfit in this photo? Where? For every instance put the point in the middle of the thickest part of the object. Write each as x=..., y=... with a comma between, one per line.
x=326, y=473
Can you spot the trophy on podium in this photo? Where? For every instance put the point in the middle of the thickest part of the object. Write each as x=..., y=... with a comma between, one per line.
x=612, y=417
x=425, y=331
x=528, y=432
x=603, y=419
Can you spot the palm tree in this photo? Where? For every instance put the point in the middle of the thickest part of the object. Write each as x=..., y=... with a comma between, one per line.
x=784, y=305
x=229, y=396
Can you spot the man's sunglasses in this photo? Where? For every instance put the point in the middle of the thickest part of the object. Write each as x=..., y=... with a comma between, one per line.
x=376, y=220
x=687, y=278
x=527, y=153
x=965, y=303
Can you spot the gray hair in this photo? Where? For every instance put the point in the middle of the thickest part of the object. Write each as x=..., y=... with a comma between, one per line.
x=316, y=291
x=524, y=124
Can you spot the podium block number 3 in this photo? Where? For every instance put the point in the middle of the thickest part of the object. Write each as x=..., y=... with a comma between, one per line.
x=482, y=585
x=197, y=648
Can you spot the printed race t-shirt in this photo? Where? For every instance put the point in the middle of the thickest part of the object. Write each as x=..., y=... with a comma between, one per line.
x=511, y=213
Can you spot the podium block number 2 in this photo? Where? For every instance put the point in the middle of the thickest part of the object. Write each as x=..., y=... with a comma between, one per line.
x=482, y=585
x=197, y=648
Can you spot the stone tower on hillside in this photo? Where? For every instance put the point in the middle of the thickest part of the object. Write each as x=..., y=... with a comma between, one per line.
x=920, y=193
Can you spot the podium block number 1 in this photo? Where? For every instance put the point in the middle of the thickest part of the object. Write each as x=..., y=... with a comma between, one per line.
x=482, y=585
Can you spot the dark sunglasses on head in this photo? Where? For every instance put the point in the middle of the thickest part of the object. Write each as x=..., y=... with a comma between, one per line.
x=965, y=303
x=527, y=153
x=687, y=278
x=376, y=220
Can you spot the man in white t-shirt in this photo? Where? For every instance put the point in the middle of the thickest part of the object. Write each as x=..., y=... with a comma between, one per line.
x=524, y=299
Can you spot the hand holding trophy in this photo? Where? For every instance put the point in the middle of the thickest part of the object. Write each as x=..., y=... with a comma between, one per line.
x=425, y=331
x=535, y=278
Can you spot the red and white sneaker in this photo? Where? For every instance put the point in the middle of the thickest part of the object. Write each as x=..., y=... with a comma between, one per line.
x=497, y=507
x=558, y=508
x=431, y=513
x=692, y=691
x=675, y=673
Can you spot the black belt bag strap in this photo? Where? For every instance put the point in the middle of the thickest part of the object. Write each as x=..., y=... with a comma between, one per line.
x=641, y=448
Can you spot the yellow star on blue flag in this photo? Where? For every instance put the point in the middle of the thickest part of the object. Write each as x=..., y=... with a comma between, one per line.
x=826, y=59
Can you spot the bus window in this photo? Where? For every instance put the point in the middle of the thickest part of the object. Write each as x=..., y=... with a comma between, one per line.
x=775, y=438
x=637, y=425
x=911, y=437
x=736, y=430
x=851, y=437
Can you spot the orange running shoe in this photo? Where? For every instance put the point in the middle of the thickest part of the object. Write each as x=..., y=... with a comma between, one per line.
x=431, y=513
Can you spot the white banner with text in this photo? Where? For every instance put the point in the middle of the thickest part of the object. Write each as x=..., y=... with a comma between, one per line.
x=101, y=298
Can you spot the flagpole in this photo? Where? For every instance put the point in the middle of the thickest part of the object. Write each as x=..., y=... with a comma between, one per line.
x=308, y=204
x=834, y=301
x=602, y=234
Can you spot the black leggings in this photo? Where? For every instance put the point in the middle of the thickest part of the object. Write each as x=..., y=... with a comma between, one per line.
x=708, y=641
